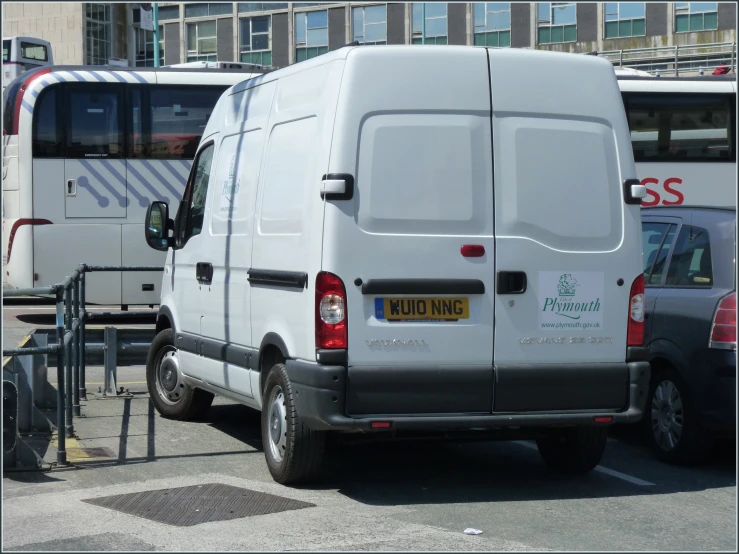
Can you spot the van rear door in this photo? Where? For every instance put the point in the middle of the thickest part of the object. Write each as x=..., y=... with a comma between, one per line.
x=414, y=131
x=561, y=158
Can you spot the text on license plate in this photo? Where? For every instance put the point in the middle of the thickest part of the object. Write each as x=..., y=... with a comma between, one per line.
x=449, y=309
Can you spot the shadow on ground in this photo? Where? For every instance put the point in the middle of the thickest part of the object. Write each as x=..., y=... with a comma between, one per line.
x=434, y=472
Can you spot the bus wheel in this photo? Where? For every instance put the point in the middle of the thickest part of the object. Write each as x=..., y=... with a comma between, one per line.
x=172, y=397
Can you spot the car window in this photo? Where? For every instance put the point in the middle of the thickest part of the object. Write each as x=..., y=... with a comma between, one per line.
x=657, y=239
x=196, y=195
x=690, y=265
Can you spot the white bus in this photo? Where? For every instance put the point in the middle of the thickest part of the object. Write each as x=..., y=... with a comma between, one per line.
x=683, y=131
x=23, y=53
x=85, y=150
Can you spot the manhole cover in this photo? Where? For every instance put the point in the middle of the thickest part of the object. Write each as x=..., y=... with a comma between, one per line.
x=185, y=506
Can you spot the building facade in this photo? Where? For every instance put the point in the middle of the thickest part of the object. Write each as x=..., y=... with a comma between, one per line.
x=279, y=34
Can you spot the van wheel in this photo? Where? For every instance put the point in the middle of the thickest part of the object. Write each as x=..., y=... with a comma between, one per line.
x=293, y=452
x=573, y=450
x=171, y=396
x=674, y=433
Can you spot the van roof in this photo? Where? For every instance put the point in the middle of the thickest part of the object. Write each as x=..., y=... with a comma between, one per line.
x=343, y=53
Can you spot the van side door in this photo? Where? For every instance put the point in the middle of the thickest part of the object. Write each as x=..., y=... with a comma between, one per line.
x=191, y=243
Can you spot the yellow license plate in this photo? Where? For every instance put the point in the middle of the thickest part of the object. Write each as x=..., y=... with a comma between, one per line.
x=428, y=309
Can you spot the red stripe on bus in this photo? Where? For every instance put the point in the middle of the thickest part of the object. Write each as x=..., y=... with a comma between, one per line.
x=17, y=225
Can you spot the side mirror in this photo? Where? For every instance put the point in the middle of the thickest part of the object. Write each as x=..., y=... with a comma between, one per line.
x=157, y=226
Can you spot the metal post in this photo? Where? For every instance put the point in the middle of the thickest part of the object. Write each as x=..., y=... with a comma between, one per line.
x=110, y=361
x=76, y=345
x=155, y=7
x=61, y=453
x=677, y=48
x=68, y=362
x=423, y=23
x=620, y=58
x=733, y=49
x=82, y=386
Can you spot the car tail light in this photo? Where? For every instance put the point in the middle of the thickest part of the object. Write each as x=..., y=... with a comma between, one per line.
x=723, y=330
x=635, y=332
x=17, y=225
x=19, y=99
x=331, y=331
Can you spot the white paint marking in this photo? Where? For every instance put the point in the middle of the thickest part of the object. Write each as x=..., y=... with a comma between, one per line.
x=601, y=469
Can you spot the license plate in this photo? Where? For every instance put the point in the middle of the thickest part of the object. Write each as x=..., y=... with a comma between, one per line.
x=424, y=309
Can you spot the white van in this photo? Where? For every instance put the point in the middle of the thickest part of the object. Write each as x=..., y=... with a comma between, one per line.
x=408, y=238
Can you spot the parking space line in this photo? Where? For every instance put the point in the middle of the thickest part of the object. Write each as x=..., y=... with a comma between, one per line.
x=601, y=469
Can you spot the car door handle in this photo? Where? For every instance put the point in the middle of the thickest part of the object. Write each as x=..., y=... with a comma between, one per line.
x=511, y=282
x=204, y=272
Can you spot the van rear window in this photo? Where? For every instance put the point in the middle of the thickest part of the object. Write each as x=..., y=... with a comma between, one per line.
x=426, y=174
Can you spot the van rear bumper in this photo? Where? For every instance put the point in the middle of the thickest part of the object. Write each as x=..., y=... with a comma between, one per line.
x=322, y=398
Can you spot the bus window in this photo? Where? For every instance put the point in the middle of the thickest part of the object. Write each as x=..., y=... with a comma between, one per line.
x=137, y=139
x=31, y=51
x=94, y=127
x=6, y=50
x=178, y=119
x=672, y=127
x=46, y=137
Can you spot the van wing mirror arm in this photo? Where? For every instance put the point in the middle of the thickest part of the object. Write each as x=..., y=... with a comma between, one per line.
x=634, y=191
x=337, y=186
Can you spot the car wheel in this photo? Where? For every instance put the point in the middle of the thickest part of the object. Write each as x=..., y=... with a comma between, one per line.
x=171, y=396
x=573, y=450
x=293, y=452
x=673, y=431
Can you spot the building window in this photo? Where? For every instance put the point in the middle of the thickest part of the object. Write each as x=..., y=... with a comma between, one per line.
x=557, y=22
x=201, y=41
x=369, y=24
x=205, y=10
x=431, y=29
x=98, y=33
x=145, y=47
x=165, y=13
x=492, y=23
x=255, y=40
x=625, y=19
x=311, y=34
x=696, y=16
x=169, y=12
x=262, y=7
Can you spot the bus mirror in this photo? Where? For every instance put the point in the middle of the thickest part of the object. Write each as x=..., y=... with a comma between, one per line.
x=157, y=225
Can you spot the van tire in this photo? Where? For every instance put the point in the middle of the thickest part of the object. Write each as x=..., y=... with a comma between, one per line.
x=573, y=450
x=301, y=448
x=695, y=444
x=191, y=403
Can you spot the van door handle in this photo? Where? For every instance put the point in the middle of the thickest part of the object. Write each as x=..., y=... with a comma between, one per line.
x=511, y=282
x=204, y=272
x=71, y=187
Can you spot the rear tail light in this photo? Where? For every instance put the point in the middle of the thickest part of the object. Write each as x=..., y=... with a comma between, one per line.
x=331, y=331
x=723, y=330
x=636, y=313
x=17, y=225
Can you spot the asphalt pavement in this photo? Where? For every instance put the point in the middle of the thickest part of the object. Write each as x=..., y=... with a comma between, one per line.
x=376, y=496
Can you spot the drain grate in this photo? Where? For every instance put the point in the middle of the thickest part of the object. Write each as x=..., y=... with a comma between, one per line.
x=185, y=506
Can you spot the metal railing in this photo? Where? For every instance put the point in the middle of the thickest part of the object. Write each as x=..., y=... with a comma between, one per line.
x=691, y=58
x=71, y=319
